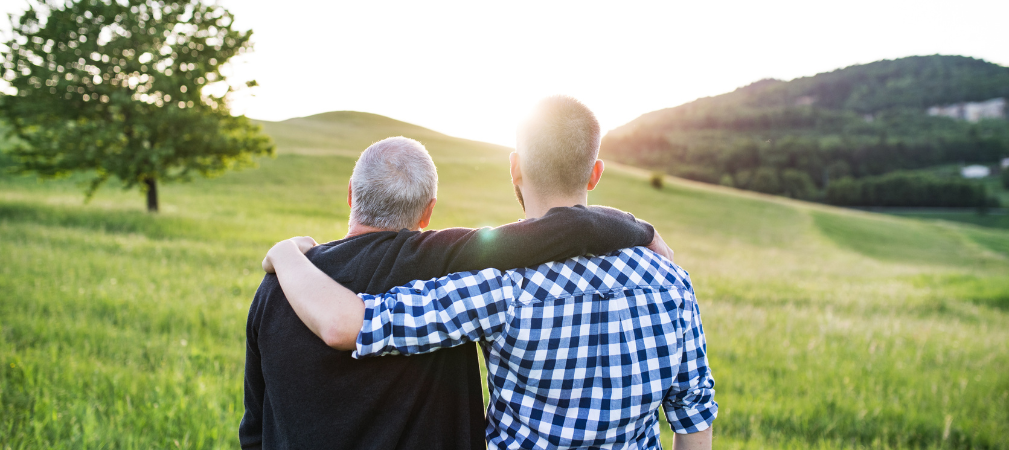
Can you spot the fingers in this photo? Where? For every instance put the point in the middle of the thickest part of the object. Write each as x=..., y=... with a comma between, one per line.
x=302, y=243
x=659, y=246
x=305, y=243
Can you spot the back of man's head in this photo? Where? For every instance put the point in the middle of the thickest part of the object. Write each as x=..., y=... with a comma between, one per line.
x=558, y=144
x=393, y=182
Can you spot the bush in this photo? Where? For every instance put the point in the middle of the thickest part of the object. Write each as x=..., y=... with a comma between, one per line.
x=727, y=181
x=838, y=169
x=797, y=184
x=844, y=192
x=765, y=180
x=6, y=162
x=1005, y=177
x=743, y=179
x=656, y=179
x=908, y=189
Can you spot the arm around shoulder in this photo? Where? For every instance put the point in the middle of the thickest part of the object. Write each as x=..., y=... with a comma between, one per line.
x=333, y=312
x=562, y=233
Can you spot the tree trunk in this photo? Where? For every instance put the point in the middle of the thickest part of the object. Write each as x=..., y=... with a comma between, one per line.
x=152, y=194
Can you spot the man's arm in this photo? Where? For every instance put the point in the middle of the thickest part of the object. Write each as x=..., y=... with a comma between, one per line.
x=700, y=440
x=690, y=403
x=418, y=318
x=424, y=316
x=331, y=311
x=560, y=234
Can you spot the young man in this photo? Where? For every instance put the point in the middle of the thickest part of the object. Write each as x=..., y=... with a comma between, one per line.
x=579, y=353
x=300, y=393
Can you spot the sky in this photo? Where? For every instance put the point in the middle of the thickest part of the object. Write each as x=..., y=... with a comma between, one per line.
x=473, y=69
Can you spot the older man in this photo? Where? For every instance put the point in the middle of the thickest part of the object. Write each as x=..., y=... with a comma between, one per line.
x=580, y=353
x=300, y=393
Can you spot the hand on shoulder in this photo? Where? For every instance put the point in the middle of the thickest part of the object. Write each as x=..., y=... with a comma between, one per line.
x=301, y=244
x=659, y=246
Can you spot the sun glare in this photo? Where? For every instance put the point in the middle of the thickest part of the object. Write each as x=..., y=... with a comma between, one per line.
x=471, y=70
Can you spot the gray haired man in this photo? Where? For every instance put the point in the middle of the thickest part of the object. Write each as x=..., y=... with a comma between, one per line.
x=301, y=393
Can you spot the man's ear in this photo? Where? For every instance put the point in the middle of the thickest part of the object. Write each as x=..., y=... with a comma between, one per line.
x=425, y=218
x=597, y=173
x=350, y=194
x=516, y=168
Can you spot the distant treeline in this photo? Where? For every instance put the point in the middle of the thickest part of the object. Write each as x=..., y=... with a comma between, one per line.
x=803, y=166
x=915, y=82
x=796, y=138
x=908, y=189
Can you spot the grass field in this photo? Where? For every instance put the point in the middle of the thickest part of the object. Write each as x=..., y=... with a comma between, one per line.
x=996, y=218
x=827, y=328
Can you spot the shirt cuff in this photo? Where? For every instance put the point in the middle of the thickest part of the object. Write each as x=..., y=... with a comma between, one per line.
x=372, y=336
x=693, y=420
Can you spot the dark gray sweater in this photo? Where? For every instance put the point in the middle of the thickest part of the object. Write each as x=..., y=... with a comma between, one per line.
x=299, y=393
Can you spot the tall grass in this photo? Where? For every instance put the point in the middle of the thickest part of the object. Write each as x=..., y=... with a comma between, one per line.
x=826, y=328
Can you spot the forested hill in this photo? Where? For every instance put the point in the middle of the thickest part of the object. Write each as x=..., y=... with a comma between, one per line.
x=793, y=138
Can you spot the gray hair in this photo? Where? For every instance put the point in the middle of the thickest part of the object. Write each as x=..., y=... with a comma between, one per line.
x=559, y=144
x=393, y=181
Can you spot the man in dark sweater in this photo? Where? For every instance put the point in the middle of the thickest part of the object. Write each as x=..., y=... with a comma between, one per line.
x=301, y=393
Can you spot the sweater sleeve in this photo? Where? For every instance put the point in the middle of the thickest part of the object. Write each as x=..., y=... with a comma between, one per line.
x=560, y=234
x=250, y=431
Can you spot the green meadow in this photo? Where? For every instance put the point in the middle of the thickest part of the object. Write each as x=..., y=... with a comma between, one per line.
x=827, y=328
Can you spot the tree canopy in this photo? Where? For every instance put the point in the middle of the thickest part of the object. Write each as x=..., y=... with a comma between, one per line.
x=125, y=89
x=793, y=138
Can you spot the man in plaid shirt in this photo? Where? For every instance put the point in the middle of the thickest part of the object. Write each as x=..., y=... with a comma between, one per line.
x=580, y=353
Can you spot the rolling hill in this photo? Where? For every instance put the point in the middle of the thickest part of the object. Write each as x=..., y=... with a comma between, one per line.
x=793, y=138
x=827, y=328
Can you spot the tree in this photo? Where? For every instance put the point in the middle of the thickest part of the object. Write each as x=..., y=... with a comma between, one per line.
x=127, y=89
x=909, y=189
x=797, y=184
x=765, y=180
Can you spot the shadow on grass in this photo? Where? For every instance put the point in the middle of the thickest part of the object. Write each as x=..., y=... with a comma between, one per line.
x=903, y=241
x=108, y=221
x=987, y=291
x=997, y=219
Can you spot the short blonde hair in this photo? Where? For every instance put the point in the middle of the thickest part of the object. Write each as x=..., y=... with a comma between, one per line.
x=558, y=144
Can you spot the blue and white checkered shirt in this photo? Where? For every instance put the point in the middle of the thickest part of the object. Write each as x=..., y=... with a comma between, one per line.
x=580, y=353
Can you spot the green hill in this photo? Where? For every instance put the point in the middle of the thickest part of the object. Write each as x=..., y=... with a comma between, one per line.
x=317, y=132
x=827, y=328
x=792, y=138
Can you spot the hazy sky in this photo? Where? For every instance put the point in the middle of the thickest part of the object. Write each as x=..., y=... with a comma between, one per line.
x=471, y=69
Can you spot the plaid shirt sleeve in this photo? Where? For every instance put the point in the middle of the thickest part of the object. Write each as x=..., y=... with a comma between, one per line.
x=690, y=403
x=424, y=316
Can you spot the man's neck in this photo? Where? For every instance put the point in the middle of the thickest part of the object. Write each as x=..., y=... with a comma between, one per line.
x=537, y=206
x=355, y=228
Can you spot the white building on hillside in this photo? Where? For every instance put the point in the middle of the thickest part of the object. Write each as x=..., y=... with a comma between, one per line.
x=975, y=171
x=972, y=111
